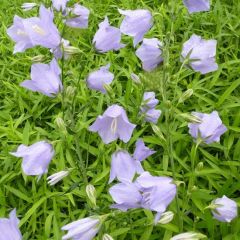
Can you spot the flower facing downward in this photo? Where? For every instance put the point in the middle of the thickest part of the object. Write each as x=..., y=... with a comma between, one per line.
x=201, y=54
x=225, y=210
x=197, y=5
x=107, y=37
x=113, y=124
x=84, y=229
x=210, y=129
x=150, y=53
x=56, y=177
x=36, y=157
x=141, y=151
x=97, y=79
x=59, y=5
x=45, y=79
x=136, y=23
x=9, y=227
x=80, y=19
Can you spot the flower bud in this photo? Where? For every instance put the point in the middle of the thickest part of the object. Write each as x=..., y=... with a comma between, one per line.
x=157, y=131
x=91, y=193
x=38, y=58
x=135, y=78
x=108, y=89
x=188, y=236
x=191, y=118
x=56, y=177
x=70, y=50
x=28, y=6
x=166, y=217
x=60, y=124
x=187, y=94
x=200, y=166
x=107, y=237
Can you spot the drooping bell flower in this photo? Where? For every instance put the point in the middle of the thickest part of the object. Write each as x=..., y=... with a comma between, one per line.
x=59, y=51
x=200, y=54
x=36, y=157
x=98, y=79
x=150, y=53
x=210, y=129
x=141, y=151
x=197, y=5
x=45, y=78
x=225, y=209
x=136, y=23
x=84, y=229
x=80, y=19
x=107, y=37
x=59, y=5
x=149, y=100
x=124, y=167
x=113, y=124
x=9, y=229
x=152, y=115
x=126, y=196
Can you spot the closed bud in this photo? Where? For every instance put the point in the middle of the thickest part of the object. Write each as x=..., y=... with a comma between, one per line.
x=70, y=50
x=107, y=237
x=60, y=124
x=178, y=183
x=28, y=6
x=166, y=217
x=157, y=131
x=187, y=94
x=200, y=166
x=189, y=236
x=56, y=177
x=135, y=78
x=38, y=58
x=70, y=91
x=108, y=89
x=91, y=193
x=191, y=118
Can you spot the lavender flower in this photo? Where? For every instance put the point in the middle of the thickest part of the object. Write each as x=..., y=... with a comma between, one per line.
x=210, y=129
x=150, y=53
x=124, y=167
x=36, y=157
x=201, y=54
x=9, y=227
x=80, y=19
x=152, y=115
x=126, y=195
x=141, y=151
x=59, y=50
x=107, y=37
x=225, y=210
x=98, y=79
x=197, y=5
x=84, y=229
x=59, y=5
x=56, y=177
x=45, y=79
x=136, y=23
x=113, y=124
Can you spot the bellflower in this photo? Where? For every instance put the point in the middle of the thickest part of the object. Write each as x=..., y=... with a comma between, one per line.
x=126, y=195
x=158, y=192
x=197, y=5
x=149, y=101
x=97, y=79
x=84, y=229
x=150, y=53
x=226, y=209
x=36, y=157
x=9, y=227
x=152, y=115
x=201, y=54
x=136, y=23
x=59, y=50
x=59, y=5
x=141, y=151
x=80, y=19
x=113, y=124
x=210, y=129
x=107, y=37
x=124, y=167
x=45, y=78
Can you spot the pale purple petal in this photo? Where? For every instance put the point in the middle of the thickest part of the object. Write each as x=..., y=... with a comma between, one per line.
x=59, y=5
x=152, y=115
x=197, y=5
x=141, y=151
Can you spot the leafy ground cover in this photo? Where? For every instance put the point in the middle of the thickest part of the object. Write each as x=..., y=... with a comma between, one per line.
x=27, y=117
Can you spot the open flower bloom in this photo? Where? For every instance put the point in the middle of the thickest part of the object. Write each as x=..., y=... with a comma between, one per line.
x=84, y=229
x=141, y=151
x=9, y=227
x=124, y=167
x=45, y=78
x=56, y=177
x=226, y=209
x=107, y=37
x=113, y=124
x=197, y=5
x=201, y=54
x=210, y=129
x=150, y=53
x=188, y=236
x=97, y=79
x=59, y=5
x=136, y=23
x=149, y=100
x=35, y=31
x=36, y=157
x=80, y=19
x=126, y=196
x=152, y=115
